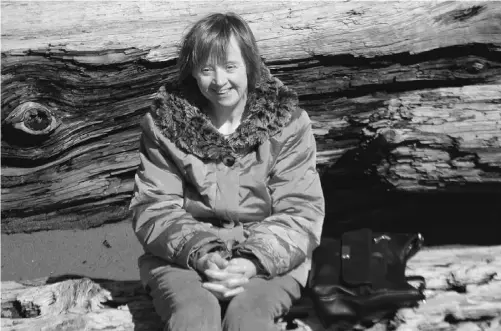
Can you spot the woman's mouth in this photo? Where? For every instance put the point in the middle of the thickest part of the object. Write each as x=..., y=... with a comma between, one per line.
x=222, y=92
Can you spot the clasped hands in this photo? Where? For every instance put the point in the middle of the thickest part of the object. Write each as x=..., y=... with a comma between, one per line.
x=225, y=278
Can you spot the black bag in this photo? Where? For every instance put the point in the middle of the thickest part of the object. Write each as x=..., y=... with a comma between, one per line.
x=360, y=278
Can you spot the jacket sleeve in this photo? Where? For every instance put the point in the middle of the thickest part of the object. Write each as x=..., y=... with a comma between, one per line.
x=284, y=240
x=162, y=225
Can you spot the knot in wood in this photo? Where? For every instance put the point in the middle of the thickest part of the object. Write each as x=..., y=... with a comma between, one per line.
x=477, y=66
x=33, y=118
x=390, y=136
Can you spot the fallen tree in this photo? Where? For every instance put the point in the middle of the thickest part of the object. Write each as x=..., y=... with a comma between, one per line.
x=463, y=293
x=404, y=94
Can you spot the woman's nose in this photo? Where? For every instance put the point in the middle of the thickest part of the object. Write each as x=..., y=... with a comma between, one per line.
x=219, y=77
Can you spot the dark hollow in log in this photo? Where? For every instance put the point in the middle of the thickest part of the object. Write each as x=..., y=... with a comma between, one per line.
x=71, y=101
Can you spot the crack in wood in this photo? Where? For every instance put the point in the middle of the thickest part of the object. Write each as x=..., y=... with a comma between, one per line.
x=460, y=15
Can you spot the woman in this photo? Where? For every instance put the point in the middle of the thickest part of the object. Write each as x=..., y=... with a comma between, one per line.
x=227, y=204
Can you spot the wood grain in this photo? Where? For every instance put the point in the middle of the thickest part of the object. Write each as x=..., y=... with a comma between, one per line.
x=78, y=76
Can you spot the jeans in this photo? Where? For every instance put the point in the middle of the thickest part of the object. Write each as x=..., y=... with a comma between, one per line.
x=184, y=305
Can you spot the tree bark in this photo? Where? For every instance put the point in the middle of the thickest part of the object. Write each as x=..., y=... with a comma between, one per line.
x=405, y=93
x=463, y=293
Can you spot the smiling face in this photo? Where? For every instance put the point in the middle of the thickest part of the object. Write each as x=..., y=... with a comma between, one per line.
x=224, y=83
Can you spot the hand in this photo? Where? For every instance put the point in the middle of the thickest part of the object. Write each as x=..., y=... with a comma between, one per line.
x=242, y=266
x=211, y=261
x=228, y=282
x=224, y=285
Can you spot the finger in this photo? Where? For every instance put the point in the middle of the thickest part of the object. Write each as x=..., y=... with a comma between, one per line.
x=215, y=287
x=219, y=275
x=230, y=282
x=235, y=282
x=236, y=269
x=222, y=273
x=231, y=293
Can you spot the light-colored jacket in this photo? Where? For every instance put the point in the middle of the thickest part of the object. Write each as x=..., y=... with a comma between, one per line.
x=254, y=192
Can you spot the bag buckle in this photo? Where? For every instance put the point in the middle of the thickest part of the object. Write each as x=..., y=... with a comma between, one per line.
x=345, y=252
x=382, y=237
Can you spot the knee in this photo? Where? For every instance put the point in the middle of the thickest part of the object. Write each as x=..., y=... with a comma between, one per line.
x=187, y=311
x=242, y=305
x=196, y=305
x=245, y=313
x=260, y=304
x=199, y=313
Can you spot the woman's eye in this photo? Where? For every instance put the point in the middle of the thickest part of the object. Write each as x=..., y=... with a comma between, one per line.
x=231, y=67
x=206, y=70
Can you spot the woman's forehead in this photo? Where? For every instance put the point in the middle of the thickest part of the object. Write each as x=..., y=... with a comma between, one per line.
x=223, y=52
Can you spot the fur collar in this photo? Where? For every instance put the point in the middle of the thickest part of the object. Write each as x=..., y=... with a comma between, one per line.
x=269, y=108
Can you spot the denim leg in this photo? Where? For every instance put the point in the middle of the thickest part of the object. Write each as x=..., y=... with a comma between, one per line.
x=262, y=302
x=180, y=300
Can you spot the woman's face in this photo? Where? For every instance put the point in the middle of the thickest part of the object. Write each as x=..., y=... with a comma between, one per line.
x=224, y=84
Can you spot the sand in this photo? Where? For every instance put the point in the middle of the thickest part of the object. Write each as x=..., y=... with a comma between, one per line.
x=109, y=252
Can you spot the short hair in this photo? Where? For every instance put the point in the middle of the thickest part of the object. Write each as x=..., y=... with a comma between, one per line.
x=208, y=39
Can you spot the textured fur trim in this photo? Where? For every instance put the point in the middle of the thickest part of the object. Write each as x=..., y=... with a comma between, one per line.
x=269, y=109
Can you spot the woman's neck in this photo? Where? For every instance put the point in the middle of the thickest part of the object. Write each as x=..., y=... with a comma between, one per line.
x=227, y=120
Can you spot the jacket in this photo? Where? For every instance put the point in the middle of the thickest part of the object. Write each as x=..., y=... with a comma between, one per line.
x=253, y=193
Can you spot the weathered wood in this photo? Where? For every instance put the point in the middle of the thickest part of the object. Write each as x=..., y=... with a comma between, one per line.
x=439, y=138
x=463, y=293
x=285, y=30
x=74, y=88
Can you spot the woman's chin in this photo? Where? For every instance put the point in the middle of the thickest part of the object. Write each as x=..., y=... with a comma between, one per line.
x=226, y=102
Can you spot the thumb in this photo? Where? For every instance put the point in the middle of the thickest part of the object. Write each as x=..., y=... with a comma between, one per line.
x=212, y=266
x=220, y=262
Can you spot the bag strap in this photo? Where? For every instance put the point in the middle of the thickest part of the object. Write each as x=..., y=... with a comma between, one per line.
x=414, y=245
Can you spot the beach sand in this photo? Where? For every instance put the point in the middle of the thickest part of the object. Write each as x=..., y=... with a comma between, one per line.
x=111, y=251
x=108, y=252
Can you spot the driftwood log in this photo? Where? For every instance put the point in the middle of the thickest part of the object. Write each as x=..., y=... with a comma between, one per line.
x=404, y=97
x=463, y=293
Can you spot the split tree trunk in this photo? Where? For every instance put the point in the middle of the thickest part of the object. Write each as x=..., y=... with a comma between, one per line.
x=402, y=94
x=463, y=293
